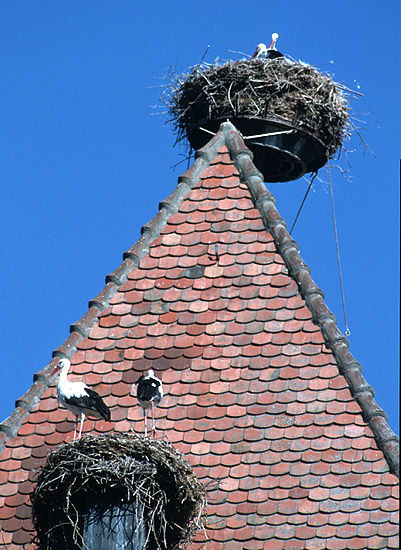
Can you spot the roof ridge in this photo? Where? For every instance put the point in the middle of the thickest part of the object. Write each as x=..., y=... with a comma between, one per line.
x=361, y=391
x=131, y=258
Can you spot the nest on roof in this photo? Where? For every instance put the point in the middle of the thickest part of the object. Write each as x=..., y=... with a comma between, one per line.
x=278, y=90
x=113, y=469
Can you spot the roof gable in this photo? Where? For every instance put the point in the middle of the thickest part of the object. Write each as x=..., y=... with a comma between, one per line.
x=261, y=391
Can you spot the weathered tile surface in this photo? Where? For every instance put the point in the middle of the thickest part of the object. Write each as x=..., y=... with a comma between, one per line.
x=253, y=395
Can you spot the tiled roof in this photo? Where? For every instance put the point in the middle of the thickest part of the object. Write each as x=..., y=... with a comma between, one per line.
x=261, y=392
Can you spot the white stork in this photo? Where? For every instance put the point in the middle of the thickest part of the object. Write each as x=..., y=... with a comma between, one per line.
x=149, y=393
x=263, y=53
x=78, y=398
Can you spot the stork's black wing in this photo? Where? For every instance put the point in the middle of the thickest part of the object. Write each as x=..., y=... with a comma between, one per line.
x=148, y=389
x=273, y=54
x=90, y=402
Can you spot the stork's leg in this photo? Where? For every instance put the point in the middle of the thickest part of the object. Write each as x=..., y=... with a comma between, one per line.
x=82, y=423
x=153, y=431
x=76, y=426
x=145, y=415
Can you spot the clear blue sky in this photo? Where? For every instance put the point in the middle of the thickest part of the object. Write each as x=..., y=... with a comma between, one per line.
x=84, y=160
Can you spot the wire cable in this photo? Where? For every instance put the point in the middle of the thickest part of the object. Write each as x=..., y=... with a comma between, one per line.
x=303, y=202
x=347, y=331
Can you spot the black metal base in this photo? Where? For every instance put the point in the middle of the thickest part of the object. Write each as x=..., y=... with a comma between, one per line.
x=280, y=157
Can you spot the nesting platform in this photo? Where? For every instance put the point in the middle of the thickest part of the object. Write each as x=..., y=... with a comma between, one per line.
x=117, y=470
x=292, y=116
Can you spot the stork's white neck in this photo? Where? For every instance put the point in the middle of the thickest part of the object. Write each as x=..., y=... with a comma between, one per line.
x=274, y=40
x=62, y=380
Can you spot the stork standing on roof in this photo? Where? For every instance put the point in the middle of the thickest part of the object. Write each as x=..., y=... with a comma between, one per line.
x=78, y=398
x=149, y=393
x=262, y=52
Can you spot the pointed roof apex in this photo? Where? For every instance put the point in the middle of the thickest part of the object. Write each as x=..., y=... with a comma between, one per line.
x=261, y=392
x=264, y=201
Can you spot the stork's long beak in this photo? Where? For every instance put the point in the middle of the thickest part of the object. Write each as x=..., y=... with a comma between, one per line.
x=58, y=367
x=254, y=55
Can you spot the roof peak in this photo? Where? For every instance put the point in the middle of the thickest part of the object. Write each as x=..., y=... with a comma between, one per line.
x=261, y=393
x=264, y=201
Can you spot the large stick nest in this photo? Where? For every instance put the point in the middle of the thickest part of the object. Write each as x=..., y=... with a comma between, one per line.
x=269, y=89
x=117, y=468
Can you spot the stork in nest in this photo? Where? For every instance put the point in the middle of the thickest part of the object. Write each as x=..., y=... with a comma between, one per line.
x=149, y=393
x=78, y=398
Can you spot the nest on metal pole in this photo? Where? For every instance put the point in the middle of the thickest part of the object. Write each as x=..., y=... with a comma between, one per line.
x=114, y=469
x=300, y=107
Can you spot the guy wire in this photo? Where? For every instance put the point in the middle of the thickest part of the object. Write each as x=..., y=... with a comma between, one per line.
x=303, y=202
x=347, y=331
